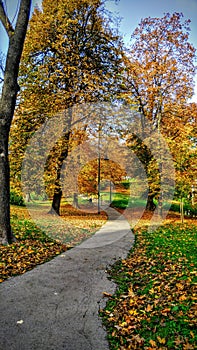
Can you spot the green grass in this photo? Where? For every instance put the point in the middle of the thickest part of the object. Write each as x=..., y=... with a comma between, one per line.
x=123, y=201
x=154, y=306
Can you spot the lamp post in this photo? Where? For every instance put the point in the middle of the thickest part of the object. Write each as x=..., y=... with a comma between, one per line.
x=99, y=167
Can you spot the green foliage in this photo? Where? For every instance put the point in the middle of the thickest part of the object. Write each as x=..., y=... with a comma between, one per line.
x=16, y=199
x=126, y=184
x=124, y=200
x=189, y=210
x=120, y=201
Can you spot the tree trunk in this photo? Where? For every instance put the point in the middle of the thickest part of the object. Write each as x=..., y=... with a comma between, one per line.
x=150, y=205
x=75, y=201
x=5, y=228
x=7, y=106
x=28, y=197
x=182, y=210
x=56, y=202
x=57, y=196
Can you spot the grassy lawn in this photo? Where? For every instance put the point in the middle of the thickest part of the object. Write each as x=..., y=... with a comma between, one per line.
x=154, y=306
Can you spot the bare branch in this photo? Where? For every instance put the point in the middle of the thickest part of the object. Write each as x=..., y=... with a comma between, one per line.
x=5, y=20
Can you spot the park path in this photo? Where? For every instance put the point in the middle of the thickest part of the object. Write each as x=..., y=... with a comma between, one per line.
x=55, y=306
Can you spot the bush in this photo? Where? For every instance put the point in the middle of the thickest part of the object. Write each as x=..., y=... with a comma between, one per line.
x=126, y=184
x=188, y=209
x=16, y=199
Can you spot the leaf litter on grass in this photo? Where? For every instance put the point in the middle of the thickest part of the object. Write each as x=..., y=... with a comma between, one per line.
x=155, y=304
x=34, y=246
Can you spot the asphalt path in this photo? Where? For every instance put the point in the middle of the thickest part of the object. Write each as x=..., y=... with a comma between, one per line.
x=56, y=305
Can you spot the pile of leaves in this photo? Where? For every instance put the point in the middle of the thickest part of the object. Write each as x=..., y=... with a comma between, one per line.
x=34, y=246
x=155, y=304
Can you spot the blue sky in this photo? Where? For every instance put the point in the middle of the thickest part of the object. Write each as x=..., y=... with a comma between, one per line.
x=132, y=11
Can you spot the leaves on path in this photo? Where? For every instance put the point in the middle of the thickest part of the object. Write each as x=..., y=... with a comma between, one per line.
x=22, y=256
x=34, y=247
x=155, y=304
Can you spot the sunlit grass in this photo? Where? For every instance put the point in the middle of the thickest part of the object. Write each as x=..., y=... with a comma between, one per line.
x=155, y=303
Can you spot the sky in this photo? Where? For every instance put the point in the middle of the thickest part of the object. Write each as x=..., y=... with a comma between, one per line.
x=131, y=12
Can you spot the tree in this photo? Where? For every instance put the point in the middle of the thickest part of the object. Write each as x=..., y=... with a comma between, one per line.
x=181, y=137
x=71, y=57
x=7, y=105
x=88, y=177
x=160, y=71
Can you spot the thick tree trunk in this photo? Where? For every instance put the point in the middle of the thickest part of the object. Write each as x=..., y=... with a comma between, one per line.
x=75, y=201
x=57, y=196
x=56, y=202
x=5, y=228
x=7, y=106
x=150, y=205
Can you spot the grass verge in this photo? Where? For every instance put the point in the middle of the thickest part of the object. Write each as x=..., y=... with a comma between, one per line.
x=154, y=306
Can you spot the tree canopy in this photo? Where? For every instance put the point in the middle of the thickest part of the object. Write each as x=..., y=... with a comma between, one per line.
x=72, y=56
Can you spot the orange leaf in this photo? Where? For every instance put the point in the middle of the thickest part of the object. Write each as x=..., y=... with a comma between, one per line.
x=152, y=343
x=149, y=308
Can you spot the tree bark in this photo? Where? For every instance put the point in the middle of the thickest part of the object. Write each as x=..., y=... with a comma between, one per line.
x=75, y=201
x=56, y=202
x=7, y=106
x=150, y=205
x=57, y=196
x=5, y=228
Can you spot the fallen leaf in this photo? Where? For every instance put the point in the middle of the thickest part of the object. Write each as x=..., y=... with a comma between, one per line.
x=149, y=308
x=161, y=340
x=152, y=342
x=20, y=322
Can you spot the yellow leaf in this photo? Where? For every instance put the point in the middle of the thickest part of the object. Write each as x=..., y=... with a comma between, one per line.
x=130, y=292
x=152, y=342
x=179, y=285
x=161, y=340
x=133, y=312
x=151, y=291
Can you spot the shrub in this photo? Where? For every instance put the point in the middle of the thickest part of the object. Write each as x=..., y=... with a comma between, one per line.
x=16, y=199
x=188, y=209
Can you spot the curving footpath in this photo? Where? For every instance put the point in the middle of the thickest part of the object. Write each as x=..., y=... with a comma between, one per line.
x=55, y=306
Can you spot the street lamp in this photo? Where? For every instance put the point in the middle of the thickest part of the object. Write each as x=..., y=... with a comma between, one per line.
x=110, y=183
x=99, y=170
x=99, y=167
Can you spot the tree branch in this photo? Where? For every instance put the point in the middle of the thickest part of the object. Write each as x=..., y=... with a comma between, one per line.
x=5, y=20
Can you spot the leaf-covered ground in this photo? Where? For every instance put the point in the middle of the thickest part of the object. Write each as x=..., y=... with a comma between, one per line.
x=155, y=303
x=34, y=247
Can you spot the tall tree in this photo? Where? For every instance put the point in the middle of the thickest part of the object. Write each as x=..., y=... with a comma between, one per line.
x=181, y=136
x=71, y=56
x=160, y=74
x=8, y=97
